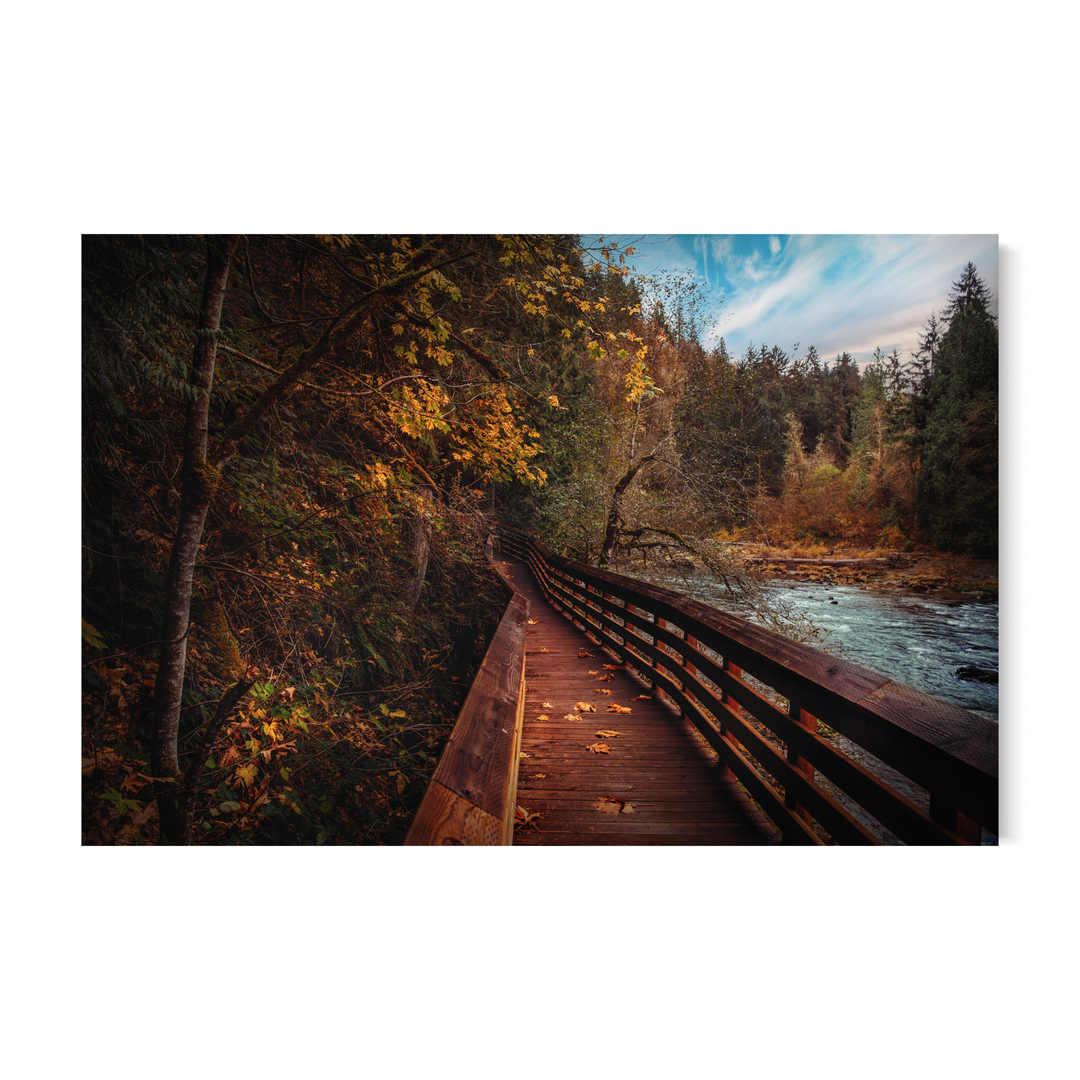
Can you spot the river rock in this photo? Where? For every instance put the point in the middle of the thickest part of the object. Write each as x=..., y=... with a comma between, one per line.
x=971, y=673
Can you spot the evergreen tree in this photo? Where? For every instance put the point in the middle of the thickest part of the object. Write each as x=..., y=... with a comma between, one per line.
x=958, y=491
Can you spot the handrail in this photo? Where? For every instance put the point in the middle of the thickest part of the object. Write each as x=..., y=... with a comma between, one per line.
x=719, y=671
x=470, y=797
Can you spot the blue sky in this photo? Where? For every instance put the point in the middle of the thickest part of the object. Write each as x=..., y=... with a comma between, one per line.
x=834, y=292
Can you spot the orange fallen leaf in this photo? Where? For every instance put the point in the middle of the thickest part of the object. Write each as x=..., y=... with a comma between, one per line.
x=543, y=649
x=607, y=805
x=607, y=734
x=543, y=718
x=571, y=716
x=547, y=705
x=584, y=706
x=599, y=748
x=538, y=776
x=522, y=817
x=608, y=692
x=642, y=697
x=533, y=622
x=613, y=667
x=614, y=707
x=583, y=654
x=594, y=672
x=603, y=678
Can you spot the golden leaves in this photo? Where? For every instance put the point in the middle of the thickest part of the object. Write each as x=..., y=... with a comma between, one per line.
x=546, y=705
x=543, y=718
x=571, y=716
x=522, y=817
x=584, y=654
x=613, y=667
x=246, y=774
x=599, y=748
x=642, y=697
x=607, y=734
x=615, y=707
x=607, y=805
x=584, y=706
x=602, y=691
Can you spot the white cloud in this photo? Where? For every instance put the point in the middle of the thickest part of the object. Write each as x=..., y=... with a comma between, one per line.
x=774, y=245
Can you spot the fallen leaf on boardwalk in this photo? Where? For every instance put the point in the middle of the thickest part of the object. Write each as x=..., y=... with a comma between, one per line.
x=543, y=650
x=607, y=805
x=607, y=734
x=599, y=748
x=522, y=817
x=607, y=692
x=547, y=705
x=614, y=707
x=584, y=706
x=522, y=754
x=538, y=776
x=602, y=678
x=533, y=622
x=594, y=672
x=583, y=654
x=642, y=697
x=613, y=667
x=543, y=718
x=571, y=716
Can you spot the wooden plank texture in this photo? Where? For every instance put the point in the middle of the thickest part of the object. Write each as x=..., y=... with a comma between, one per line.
x=470, y=799
x=658, y=763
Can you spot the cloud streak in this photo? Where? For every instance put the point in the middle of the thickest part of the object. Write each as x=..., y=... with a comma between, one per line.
x=838, y=293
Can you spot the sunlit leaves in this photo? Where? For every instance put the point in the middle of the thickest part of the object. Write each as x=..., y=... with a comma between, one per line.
x=607, y=805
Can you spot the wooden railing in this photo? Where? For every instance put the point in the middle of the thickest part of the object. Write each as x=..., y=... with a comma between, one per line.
x=740, y=684
x=470, y=798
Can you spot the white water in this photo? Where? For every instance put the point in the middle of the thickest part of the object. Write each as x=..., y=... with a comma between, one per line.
x=911, y=637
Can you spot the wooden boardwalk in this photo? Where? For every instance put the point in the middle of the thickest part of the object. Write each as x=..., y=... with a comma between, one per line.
x=659, y=775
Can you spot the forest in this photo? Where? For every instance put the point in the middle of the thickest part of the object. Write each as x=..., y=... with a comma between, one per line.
x=295, y=448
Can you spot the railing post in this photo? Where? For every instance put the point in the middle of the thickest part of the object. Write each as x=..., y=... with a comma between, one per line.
x=804, y=720
x=944, y=812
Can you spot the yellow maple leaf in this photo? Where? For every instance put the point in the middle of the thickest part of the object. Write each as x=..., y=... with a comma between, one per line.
x=246, y=774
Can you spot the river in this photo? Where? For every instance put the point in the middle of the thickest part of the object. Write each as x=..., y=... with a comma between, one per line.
x=911, y=637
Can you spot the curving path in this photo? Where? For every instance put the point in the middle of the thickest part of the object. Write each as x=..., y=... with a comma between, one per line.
x=657, y=764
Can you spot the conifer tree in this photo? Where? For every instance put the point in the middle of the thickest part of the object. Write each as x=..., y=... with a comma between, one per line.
x=958, y=491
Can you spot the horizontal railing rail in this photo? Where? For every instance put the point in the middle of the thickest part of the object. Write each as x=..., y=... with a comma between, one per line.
x=740, y=684
x=470, y=797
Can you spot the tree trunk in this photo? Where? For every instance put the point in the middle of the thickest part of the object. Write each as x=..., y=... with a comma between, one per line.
x=199, y=481
x=611, y=534
x=417, y=542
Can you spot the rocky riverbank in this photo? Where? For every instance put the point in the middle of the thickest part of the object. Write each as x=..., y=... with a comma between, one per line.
x=947, y=576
